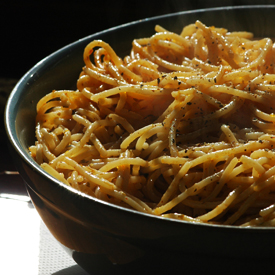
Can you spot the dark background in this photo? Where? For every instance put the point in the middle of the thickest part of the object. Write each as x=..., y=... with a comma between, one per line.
x=31, y=30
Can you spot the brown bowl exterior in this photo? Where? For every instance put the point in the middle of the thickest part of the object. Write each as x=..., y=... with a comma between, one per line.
x=104, y=238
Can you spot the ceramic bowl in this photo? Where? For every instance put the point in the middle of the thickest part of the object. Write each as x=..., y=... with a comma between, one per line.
x=108, y=239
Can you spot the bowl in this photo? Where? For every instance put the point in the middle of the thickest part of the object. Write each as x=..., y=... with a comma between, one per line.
x=104, y=238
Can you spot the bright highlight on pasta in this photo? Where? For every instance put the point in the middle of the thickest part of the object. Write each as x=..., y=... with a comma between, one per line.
x=183, y=127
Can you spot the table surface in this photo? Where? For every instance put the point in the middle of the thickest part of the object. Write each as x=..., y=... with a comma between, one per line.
x=27, y=246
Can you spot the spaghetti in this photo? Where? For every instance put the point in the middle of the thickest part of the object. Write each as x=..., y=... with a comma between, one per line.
x=182, y=127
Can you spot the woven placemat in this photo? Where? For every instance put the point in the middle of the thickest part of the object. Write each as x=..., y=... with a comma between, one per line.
x=53, y=259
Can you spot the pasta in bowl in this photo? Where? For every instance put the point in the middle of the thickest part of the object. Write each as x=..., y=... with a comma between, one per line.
x=150, y=159
x=182, y=127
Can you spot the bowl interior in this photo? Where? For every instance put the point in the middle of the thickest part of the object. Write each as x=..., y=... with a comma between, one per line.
x=61, y=69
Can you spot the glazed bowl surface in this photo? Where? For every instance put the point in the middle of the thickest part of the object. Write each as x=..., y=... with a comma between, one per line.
x=106, y=238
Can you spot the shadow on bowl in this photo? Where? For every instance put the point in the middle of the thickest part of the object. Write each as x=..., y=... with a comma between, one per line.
x=104, y=238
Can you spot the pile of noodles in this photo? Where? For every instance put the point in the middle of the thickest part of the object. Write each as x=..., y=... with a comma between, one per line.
x=182, y=127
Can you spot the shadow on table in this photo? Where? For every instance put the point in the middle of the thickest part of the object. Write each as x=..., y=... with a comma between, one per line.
x=198, y=266
x=72, y=270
